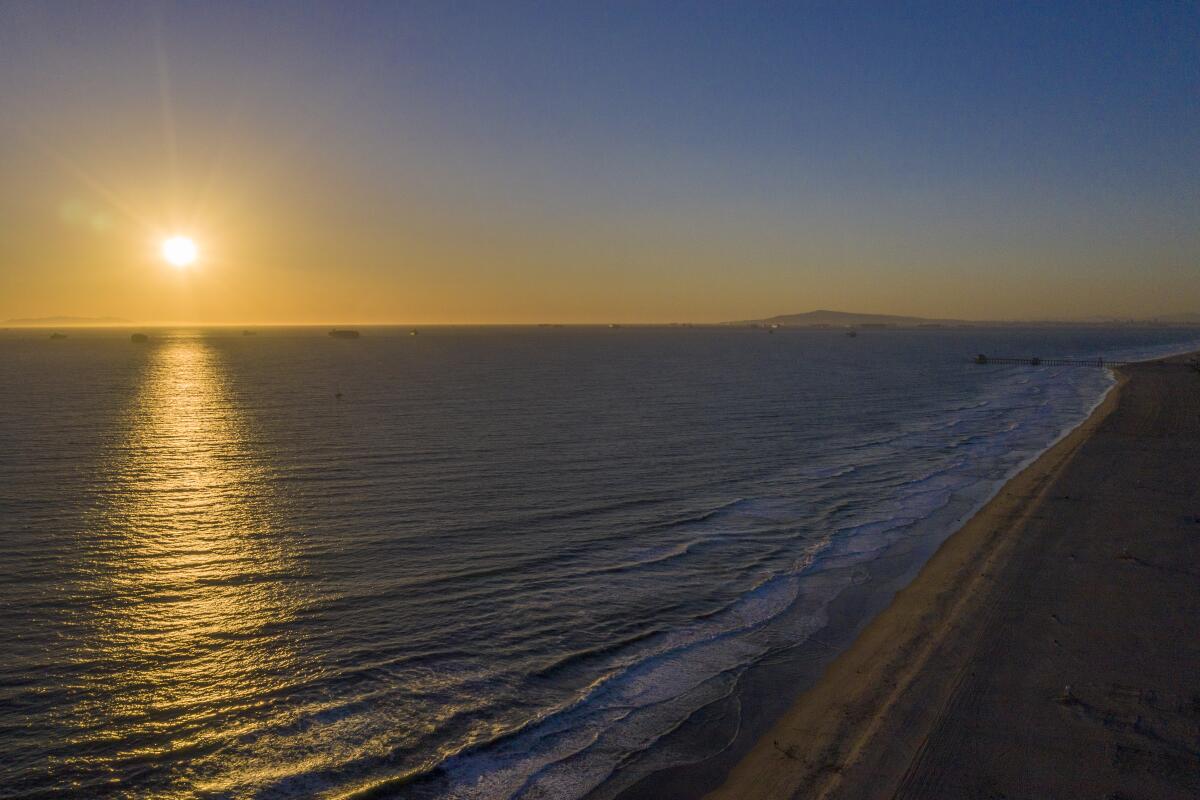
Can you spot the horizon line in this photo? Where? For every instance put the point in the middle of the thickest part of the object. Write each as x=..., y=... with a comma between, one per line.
x=934, y=322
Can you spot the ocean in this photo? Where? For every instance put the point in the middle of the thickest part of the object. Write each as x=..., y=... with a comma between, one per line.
x=472, y=563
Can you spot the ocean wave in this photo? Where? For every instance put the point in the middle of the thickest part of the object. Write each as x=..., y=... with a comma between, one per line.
x=455, y=609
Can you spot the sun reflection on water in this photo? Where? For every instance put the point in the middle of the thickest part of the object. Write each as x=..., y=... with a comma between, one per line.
x=191, y=619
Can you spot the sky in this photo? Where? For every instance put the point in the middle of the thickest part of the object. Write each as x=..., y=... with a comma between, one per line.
x=452, y=162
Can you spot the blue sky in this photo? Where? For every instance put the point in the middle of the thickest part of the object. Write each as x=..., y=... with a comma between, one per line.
x=589, y=161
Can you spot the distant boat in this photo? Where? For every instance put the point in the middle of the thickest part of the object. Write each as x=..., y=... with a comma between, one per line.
x=249, y=333
x=852, y=334
x=139, y=338
x=58, y=336
x=414, y=332
x=344, y=333
x=613, y=325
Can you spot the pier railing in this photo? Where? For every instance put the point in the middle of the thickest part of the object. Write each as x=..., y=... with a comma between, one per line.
x=1049, y=362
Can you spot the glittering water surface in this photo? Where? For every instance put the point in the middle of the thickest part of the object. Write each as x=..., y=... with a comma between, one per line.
x=504, y=563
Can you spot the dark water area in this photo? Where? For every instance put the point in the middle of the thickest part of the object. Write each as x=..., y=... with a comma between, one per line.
x=474, y=563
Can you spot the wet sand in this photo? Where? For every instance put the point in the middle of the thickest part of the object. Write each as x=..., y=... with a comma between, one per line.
x=1049, y=649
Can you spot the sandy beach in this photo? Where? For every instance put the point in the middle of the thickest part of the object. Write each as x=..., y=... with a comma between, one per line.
x=1049, y=649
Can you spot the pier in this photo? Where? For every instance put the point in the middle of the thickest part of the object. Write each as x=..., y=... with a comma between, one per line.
x=1049, y=362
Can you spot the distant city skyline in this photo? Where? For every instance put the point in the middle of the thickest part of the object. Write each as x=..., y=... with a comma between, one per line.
x=568, y=163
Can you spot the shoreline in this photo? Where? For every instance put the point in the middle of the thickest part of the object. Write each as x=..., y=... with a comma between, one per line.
x=865, y=727
x=757, y=705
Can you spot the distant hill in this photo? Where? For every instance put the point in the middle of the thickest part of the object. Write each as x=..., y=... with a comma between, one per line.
x=846, y=318
x=42, y=321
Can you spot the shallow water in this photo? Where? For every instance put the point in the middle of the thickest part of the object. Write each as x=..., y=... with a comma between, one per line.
x=501, y=563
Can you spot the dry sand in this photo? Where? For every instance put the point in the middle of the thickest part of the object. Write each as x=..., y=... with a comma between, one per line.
x=1049, y=649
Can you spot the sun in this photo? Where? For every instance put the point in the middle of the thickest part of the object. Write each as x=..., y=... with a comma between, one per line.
x=179, y=251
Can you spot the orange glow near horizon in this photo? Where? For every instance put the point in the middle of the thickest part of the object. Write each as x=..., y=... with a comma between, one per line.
x=313, y=186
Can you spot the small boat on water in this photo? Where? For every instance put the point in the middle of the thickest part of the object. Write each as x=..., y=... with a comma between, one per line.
x=852, y=334
x=414, y=332
x=58, y=336
x=344, y=333
x=249, y=333
x=139, y=338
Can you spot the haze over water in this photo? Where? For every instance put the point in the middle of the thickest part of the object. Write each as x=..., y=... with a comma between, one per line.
x=507, y=561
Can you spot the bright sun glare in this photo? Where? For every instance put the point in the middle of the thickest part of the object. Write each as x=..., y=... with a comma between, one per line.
x=179, y=251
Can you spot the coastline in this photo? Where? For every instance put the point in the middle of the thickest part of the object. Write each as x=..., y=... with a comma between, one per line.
x=933, y=697
x=728, y=731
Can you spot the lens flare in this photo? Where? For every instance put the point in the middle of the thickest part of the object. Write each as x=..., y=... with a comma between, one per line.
x=179, y=251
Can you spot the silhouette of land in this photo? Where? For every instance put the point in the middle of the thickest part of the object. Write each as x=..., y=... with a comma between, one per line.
x=35, y=322
x=848, y=318
x=835, y=319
